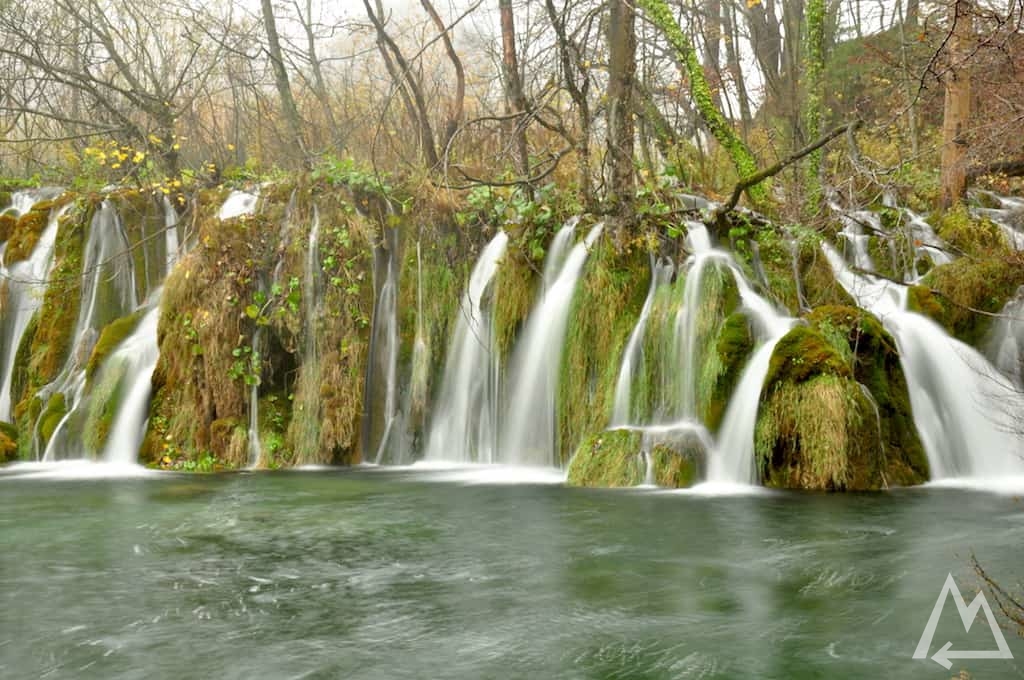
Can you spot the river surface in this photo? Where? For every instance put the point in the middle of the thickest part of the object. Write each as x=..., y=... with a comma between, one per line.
x=411, y=573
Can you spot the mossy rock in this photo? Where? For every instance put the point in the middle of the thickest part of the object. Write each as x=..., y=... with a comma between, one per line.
x=608, y=459
x=723, y=367
x=951, y=293
x=970, y=235
x=8, y=443
x=835, y=411
x=111, y=336
x=26, y=232
x=49, y=419
x=804, y=353
x=8, y=223
x=679, y=460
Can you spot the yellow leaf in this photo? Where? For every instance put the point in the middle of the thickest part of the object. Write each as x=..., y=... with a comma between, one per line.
x=138, y=157
x=153, y=139
x=115, y=166
x=753, y=3
x=231, y=147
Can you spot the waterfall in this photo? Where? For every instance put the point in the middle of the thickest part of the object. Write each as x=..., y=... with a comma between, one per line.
x=26, y=284
x=108, y=293
x=171, y=241
x=255, y=447
x=733, y=457
x=661, y=274
x=964, y=410
x=380, y=396
x=463, y=426
x=138, y=353
x=238, y=203
x=1004, y=345
x=528, y=433
x=388, y=336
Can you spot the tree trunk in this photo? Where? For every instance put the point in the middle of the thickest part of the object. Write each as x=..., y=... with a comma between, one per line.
x=746, y=165
x=814, y=96
x=621, y=73
x=456, y=105
x=514, y=98
x=957, y=108
x=732, y=57
x=284, y=89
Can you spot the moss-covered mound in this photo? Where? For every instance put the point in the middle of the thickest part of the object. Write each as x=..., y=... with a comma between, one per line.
x=110, y=338
x=962, y=295
x=835, y=411
x=610, y=459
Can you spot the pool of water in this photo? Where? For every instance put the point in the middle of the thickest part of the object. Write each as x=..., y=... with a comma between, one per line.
x=411, y=573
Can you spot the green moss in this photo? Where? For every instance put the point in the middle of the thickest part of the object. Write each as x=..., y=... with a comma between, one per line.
x=723, y=367
x=112, y=336
x=971, y=235
x=835, y=410
x=804, y=353
x=26, y=233
x=51, y=416
x=676, y=466
x=607, y=459
x=604, y=310
x=514, y=294
x=962, y=294
x=22, y=359
x=8, y=443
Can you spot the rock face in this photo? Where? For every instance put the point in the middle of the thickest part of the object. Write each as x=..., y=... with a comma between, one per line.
x=835, y=412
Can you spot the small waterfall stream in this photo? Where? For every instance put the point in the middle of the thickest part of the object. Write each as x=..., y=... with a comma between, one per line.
x=463, y=427
x=139, y=353
x=661, y=274
x=528, y=431
x=26, y=285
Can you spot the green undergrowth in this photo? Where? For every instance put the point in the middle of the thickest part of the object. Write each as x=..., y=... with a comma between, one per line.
x=605, y=308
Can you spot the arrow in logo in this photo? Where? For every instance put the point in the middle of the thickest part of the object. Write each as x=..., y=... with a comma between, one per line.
x=943, y=656
x=967, y=615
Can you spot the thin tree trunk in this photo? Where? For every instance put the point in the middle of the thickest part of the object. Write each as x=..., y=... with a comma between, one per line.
x=621, y=74
x=284, y=90
x=732, y=56
x=515, y=100
x=957, y=108
x=455, y=109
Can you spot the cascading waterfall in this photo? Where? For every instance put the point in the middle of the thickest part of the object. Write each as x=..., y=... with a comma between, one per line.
x=528, y=432
x=731, y=458
x=661, y=274
x=387, y=338
x=138, y=353
x=172, y=243
x=26, y=284
x=963, y=408
x=463, y=426
x=108, y=293
x=1005, y=343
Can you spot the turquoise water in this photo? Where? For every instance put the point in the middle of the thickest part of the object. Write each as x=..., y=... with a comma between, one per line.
x=376, y=573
